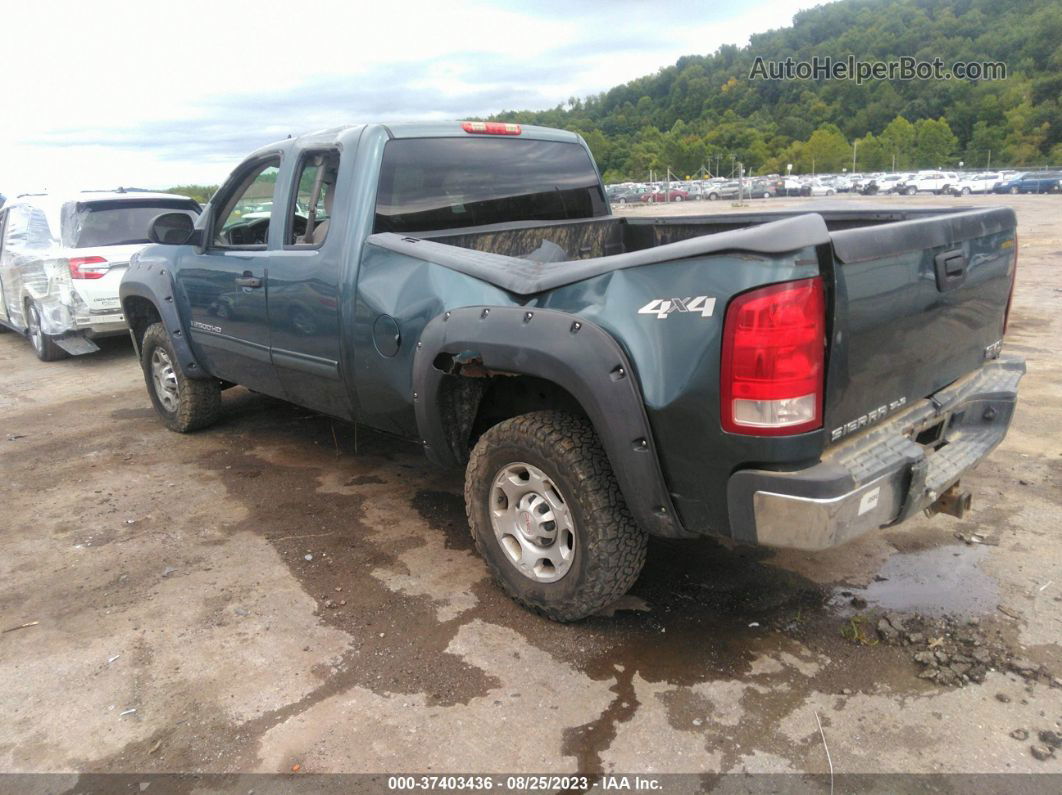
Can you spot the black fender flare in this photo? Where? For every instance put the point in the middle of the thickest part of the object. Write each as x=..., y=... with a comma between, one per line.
x=573, y=353
x=154, y=283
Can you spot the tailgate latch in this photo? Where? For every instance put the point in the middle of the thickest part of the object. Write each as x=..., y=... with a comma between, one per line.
x=951, y=269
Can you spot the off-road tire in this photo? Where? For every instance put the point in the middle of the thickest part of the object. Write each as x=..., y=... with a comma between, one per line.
x=609, y=549
x=43, y=344
x=198, y=401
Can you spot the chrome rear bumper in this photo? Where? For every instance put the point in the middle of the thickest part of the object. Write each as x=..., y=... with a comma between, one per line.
x=883, y=475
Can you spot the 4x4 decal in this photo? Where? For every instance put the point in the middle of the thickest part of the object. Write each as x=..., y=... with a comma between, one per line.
x=662, y=307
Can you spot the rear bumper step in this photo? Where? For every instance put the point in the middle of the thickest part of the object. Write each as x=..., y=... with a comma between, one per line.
x=884, y=475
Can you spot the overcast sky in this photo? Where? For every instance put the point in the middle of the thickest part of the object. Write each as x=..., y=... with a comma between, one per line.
x=99, y=93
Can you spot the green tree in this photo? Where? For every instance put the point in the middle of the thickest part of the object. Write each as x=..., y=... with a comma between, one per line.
x=827, y=150
x=934, y=143
x=986, y=142
x=871, y=154
x=898, y=139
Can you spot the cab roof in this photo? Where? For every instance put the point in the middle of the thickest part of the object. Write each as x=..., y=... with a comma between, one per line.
x=348, y=134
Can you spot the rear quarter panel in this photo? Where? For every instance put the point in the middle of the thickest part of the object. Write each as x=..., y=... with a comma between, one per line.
x=677, y=362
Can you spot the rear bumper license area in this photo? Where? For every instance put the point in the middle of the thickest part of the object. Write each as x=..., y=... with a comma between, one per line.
x=101, y=323
x=883, y=475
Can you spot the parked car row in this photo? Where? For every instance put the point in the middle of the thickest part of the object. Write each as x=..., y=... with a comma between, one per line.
x=955, y=183
x=961, y=183
x=697, y=190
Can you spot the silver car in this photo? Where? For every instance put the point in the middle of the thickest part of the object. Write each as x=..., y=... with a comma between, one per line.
x=61, y=259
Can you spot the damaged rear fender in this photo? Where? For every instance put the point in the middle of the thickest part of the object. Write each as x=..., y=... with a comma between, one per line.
x=464, y=346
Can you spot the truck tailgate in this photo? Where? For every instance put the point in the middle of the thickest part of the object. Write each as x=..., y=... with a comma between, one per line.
x=919, y=304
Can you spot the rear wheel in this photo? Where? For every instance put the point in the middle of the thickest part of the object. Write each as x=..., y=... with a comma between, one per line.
x=713, y=196
x=676, y=199
x=548, y=517
x=185, y=404
x=43, y=344
x=965, y=192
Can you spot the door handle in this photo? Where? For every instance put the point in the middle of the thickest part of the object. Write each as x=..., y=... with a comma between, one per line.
x=247, y=280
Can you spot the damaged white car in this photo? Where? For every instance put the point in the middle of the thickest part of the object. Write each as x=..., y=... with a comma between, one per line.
x=62, y=257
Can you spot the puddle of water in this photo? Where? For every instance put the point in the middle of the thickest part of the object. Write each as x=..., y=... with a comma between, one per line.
x=940, y=581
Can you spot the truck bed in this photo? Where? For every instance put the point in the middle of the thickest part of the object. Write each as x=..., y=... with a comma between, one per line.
x=899, y=329
x=530, y=257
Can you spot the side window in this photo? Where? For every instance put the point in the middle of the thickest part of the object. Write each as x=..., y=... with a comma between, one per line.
x=245, y=214
x=27, y=228
x=310, y=214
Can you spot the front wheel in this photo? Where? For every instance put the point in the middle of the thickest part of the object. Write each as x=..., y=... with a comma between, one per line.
x=1015, y=191
x=185, y=404
x=713, y=196
x=676, y=199
x=548, y=517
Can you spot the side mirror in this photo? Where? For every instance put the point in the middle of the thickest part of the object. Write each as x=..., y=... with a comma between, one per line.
x=172, y=229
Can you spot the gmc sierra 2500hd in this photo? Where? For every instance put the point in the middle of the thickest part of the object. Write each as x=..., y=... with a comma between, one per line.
x=790, y=379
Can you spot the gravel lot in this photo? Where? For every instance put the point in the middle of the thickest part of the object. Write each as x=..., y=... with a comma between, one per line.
x=280, y=590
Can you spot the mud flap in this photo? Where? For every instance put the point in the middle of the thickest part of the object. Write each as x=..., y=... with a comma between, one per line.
x=76, y=345
x=914, y=501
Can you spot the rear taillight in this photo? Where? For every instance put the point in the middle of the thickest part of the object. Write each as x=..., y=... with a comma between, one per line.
x=771, y=378
x=1013, y=281
x=490, y=127
x=88, y=267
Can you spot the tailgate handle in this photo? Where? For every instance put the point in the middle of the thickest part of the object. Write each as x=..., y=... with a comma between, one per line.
x=951, y=269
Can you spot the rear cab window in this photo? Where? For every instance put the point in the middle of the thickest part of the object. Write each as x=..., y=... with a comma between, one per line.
x=117, y=222
x=429, y=184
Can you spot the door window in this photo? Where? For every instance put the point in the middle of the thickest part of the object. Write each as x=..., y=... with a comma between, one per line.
x=309, y=217
x=244, y=215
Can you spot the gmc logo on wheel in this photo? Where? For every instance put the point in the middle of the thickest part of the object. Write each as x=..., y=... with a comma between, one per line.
x=662, y=307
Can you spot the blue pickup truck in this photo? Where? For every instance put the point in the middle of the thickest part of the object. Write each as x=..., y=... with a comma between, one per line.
x=790, y=379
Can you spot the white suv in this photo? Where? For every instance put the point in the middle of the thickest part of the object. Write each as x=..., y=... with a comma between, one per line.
x=62, y=257
x=930, y=182
x=973, y=183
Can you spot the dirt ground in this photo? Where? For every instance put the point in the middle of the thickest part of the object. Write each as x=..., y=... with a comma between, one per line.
x=282, y=590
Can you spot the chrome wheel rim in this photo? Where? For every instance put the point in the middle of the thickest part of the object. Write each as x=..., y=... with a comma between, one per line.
x=165, y=379
x=36, y=335
x=532, y=522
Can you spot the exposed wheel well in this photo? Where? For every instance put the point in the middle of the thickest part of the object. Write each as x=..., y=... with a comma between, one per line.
x=139, y=314
x=473, y=404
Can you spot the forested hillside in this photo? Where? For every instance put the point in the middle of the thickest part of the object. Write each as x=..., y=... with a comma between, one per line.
x=705, y=111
